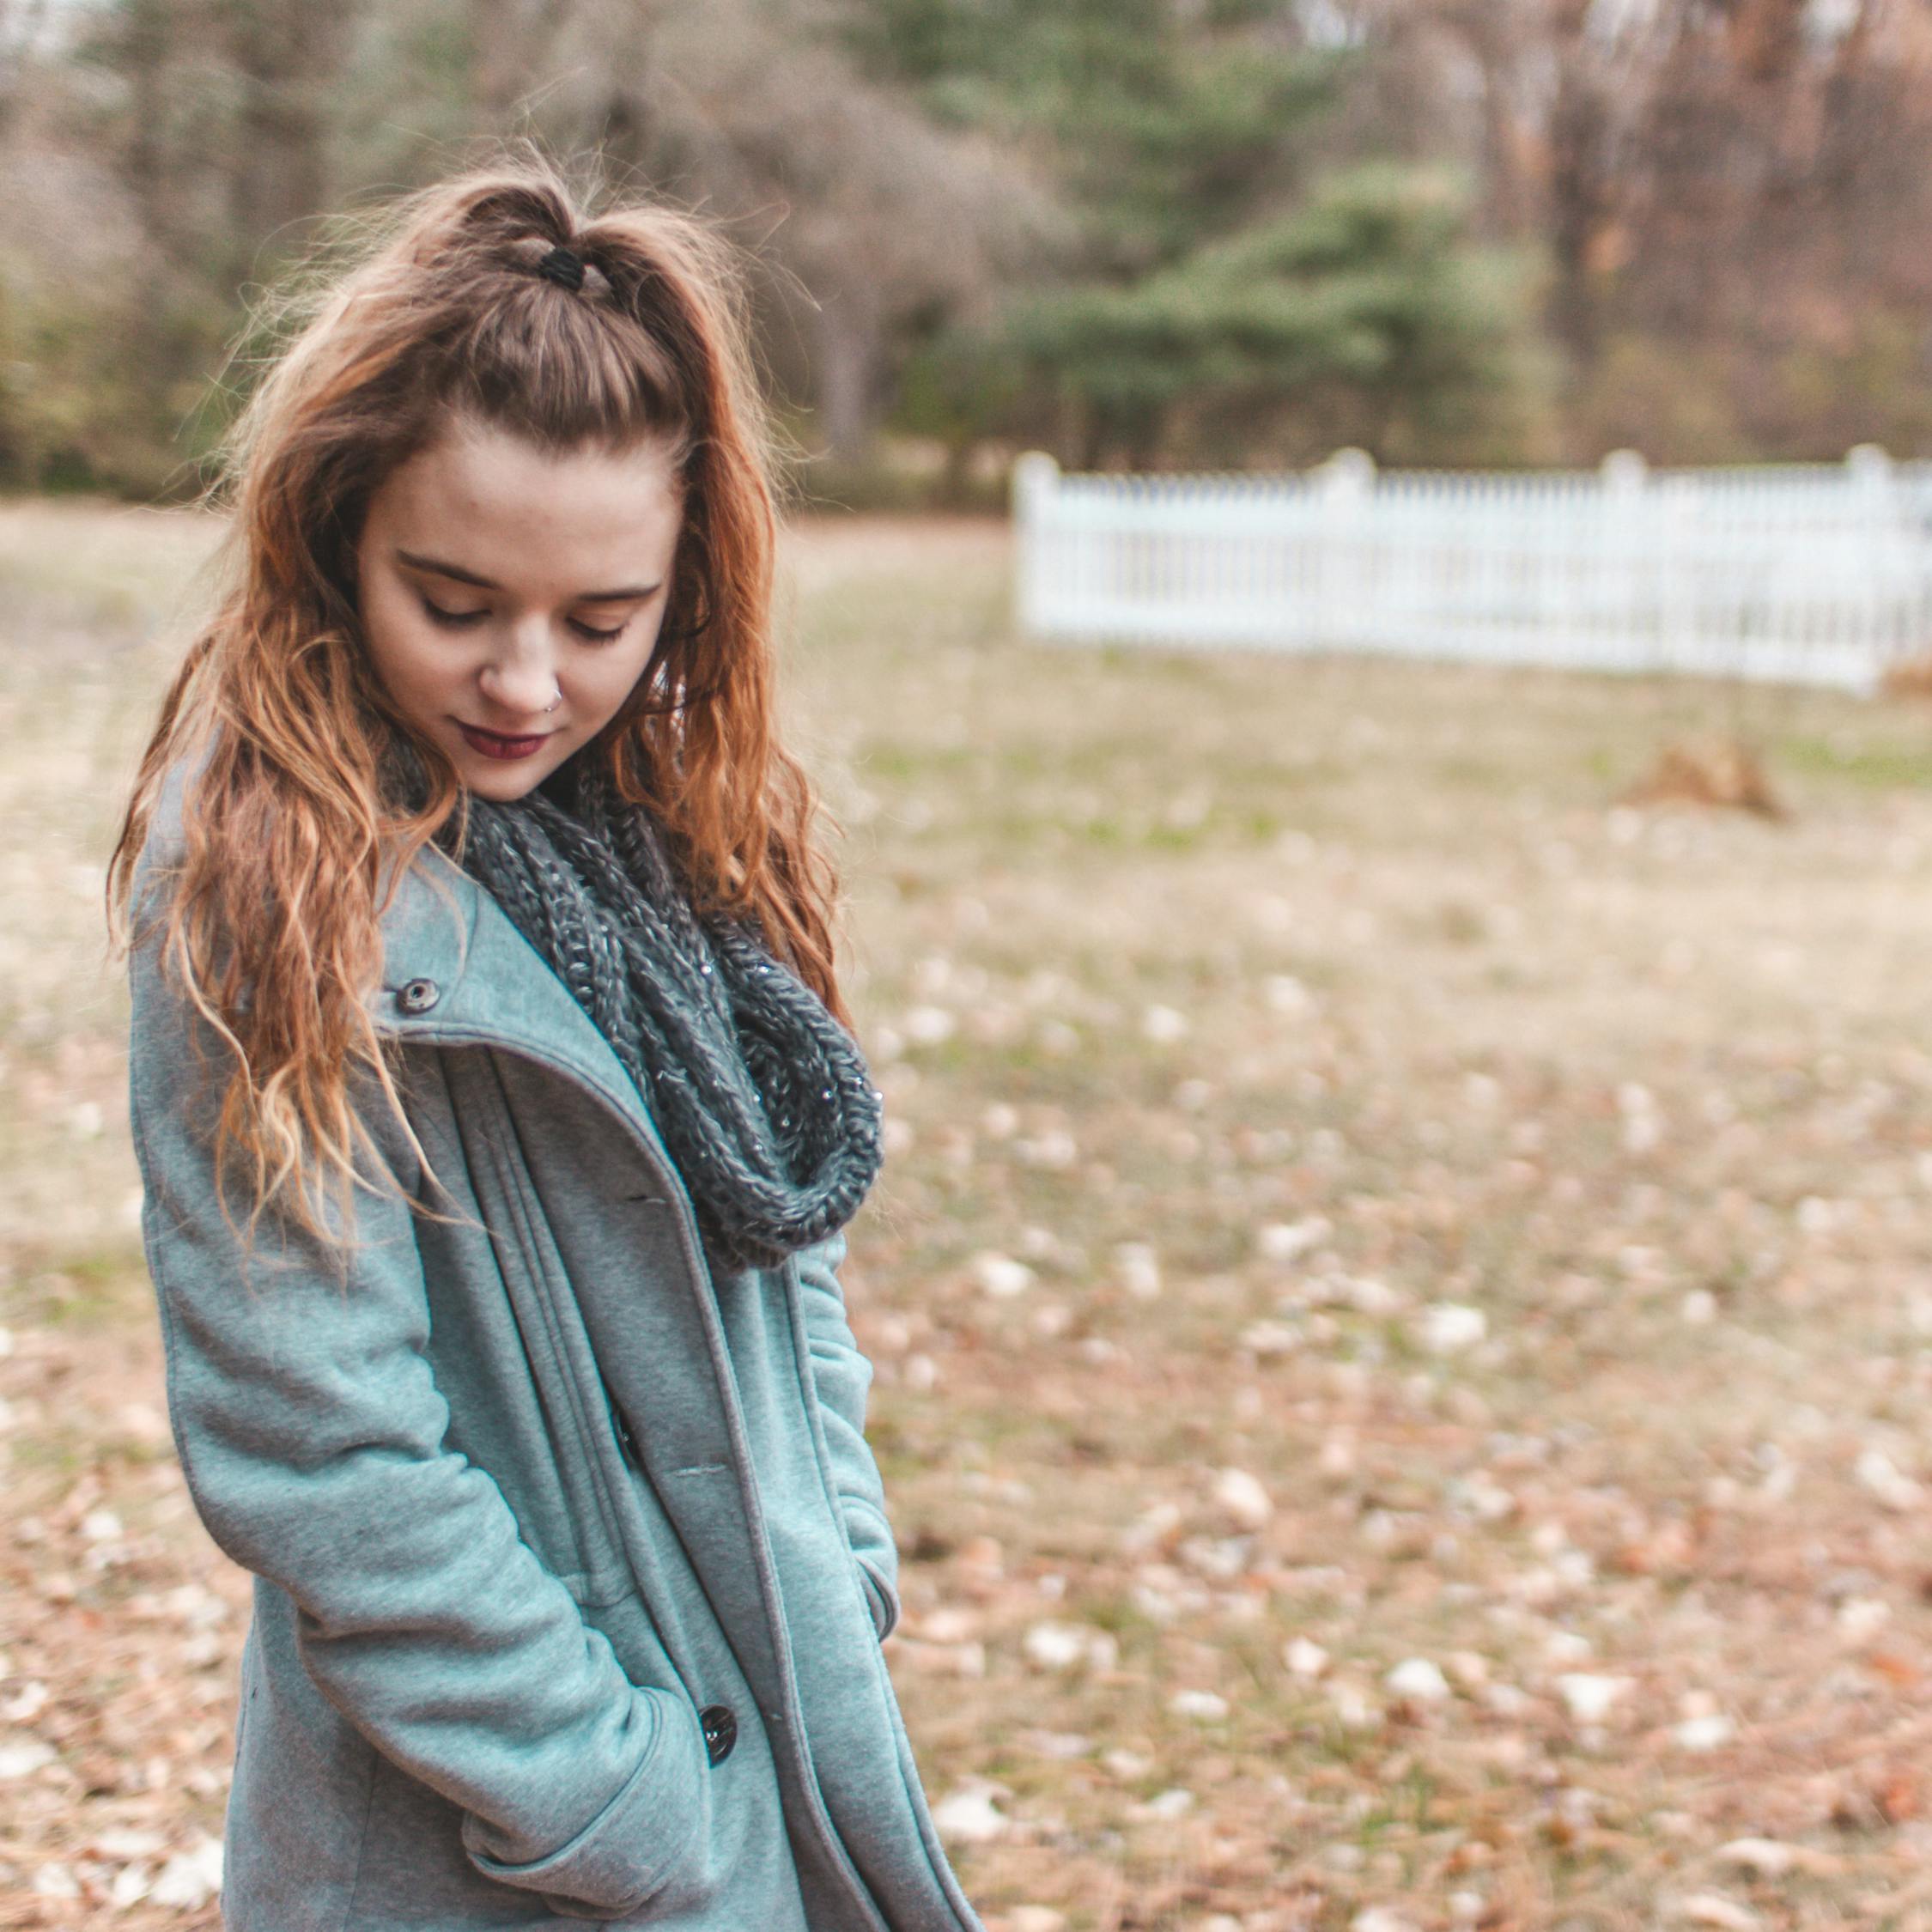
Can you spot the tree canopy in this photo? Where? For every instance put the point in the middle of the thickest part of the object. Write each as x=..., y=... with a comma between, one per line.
x=1139, y=232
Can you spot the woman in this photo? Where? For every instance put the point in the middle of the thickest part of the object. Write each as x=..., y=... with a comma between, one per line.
x=499, y=1117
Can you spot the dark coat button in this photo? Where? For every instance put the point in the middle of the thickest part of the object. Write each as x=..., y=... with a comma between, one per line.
x=720, y=1731
x=418, y=996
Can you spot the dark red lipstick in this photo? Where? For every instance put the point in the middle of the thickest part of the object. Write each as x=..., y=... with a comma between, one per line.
x=497, y=744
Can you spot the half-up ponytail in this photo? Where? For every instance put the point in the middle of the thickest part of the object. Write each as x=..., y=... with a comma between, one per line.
x=559, y=262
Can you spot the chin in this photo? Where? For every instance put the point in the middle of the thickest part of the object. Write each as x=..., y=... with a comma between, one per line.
x=501, y=781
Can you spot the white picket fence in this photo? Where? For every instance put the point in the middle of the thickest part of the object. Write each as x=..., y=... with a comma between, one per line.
x=1811, y=573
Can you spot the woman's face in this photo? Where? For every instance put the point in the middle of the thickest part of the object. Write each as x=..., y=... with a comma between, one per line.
x=511, y=599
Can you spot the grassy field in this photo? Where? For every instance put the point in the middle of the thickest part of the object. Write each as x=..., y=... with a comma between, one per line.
x=1402, y=1293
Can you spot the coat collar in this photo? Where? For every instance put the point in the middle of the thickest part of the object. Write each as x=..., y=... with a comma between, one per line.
x=456, y=971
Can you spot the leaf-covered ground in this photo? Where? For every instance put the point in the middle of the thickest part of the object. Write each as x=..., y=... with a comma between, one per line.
x=1401, y=1295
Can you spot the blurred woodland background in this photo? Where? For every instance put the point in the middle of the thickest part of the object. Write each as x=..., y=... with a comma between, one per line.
x=1401, y=1295
x=1143, y=233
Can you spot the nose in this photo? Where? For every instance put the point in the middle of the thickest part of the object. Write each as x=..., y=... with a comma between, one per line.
x=520, y=679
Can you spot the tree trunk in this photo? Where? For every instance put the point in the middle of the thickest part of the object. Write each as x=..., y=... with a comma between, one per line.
x=846, y=329
x=286, y=59
x=149, y=168
x=1768, y=38
x=1579, y=197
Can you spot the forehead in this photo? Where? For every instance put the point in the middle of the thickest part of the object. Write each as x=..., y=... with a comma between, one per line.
x=524, y=515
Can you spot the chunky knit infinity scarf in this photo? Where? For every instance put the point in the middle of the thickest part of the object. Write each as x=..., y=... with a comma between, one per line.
x=764, y=1101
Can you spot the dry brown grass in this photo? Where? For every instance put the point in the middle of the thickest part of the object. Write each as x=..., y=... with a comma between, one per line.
x=1278, y=1018
x=1711, y=770
x=1911, y=678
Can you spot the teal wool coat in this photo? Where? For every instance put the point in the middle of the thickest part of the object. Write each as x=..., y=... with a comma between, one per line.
x=571, y=1562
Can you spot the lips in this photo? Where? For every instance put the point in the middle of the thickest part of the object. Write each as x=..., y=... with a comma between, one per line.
x=499, y=744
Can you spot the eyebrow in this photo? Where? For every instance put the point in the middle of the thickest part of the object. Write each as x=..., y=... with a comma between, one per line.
x=456, y=573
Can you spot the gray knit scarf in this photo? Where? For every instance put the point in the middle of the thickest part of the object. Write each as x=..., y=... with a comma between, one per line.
x=764, y=1101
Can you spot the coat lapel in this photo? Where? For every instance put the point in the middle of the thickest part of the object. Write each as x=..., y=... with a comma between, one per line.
x=492, y=986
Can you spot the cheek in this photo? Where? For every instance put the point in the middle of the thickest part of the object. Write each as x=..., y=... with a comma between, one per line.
x=408, y=662
x=602, y=686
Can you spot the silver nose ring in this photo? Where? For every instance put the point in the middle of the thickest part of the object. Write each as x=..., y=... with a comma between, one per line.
x=555, y=701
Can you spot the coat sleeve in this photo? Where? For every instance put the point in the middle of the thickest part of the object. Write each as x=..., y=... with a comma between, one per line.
x=843, y=1377
x=311, y=1432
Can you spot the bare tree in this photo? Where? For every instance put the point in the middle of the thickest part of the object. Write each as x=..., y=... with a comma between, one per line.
x=864, y=211
x=1742, y=183
x=287, y=62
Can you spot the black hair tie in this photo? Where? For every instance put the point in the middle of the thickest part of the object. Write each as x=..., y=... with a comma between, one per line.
x=561, y=265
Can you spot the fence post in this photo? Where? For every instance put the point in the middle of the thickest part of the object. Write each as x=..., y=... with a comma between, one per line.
x=1344, y=484
x=1681, y=506
x=1869, y=465
x=1878, y=552
x=1624, y=472
x=1614, y=605
x=1035, y=477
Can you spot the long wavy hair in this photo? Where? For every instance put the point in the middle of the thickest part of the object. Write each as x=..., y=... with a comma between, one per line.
x=425, y=313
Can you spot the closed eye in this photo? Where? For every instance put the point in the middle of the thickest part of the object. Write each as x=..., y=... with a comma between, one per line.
x=456, y=620
x=462, y=620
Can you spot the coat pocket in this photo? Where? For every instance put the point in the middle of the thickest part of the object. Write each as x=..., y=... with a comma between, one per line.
x=645, y=1855
x=853, y=1492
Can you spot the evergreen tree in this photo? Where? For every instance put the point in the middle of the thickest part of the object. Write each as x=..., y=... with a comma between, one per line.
x=1221, y=305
